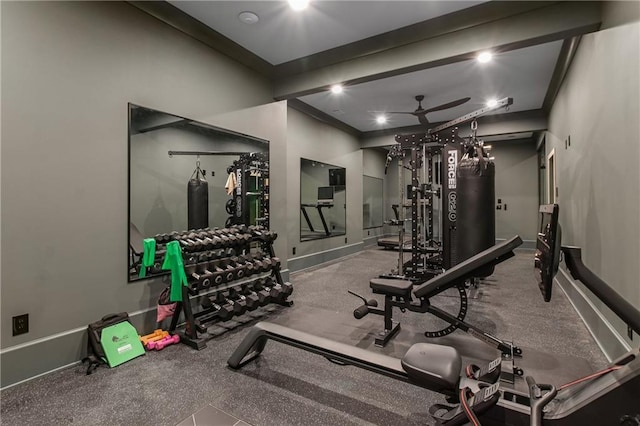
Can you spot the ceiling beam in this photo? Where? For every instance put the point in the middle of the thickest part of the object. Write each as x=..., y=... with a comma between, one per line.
x=322, y=116
x=552, y=22
x=438, y=26
x=488, y=125
x=567, y=52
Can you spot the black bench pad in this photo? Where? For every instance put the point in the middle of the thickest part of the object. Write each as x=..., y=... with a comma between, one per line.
x=466, y=269
x=391, y=287
x=433, y=367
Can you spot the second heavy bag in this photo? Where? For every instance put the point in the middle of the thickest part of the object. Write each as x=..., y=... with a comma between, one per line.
x=197, y=201
x=476, y=219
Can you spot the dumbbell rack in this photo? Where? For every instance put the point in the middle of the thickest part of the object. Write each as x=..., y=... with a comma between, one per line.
x=226, y=278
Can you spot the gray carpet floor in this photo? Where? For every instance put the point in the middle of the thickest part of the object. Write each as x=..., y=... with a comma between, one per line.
x=287, y=386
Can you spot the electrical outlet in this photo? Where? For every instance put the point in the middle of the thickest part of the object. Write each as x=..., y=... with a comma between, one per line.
x=20, y=324
x=294, y=250
x=345, y=240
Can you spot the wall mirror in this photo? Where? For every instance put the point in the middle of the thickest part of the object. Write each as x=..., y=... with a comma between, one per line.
x=372, y=202
x=185, y=174
x=323, y=211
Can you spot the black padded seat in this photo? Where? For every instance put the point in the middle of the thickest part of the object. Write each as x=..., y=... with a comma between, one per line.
x=391, y=287
x=433, y=367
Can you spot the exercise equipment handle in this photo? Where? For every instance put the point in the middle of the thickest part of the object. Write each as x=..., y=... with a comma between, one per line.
x=622, y=308
x=538, y=400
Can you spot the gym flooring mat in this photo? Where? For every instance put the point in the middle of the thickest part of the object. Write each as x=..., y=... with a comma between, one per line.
x=287, y=386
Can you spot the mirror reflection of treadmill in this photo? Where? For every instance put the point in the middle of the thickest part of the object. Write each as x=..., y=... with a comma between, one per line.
x=325, y=199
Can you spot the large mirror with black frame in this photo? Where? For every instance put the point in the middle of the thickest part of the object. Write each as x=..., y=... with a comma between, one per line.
x=323, y=198
x=372, y=202
x=185, y=174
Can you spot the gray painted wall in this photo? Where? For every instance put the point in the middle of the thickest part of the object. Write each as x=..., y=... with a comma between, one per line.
x=598, y=176
x=312, y=139
x=68, y=71
x=517, y=187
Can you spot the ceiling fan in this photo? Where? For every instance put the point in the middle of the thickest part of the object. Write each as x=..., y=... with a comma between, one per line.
x=421, y=113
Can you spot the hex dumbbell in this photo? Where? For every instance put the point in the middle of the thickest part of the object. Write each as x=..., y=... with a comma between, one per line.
x=193, y=277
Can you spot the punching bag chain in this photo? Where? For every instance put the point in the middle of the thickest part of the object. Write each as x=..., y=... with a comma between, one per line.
x=474, y=131
x=198, y=171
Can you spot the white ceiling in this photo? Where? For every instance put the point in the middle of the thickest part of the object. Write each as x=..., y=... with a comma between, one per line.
x=283, y=34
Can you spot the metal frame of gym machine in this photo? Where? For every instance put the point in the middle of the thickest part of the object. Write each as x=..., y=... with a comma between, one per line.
x=424, y=147
x=425, y=260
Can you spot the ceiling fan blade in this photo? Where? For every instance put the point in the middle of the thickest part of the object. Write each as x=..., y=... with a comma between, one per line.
x=401, y=112
x=422, y=118
x=447, y=105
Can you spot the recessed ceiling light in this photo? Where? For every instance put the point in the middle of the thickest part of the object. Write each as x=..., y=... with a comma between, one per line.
x=381, y=119
x=336, y=88
x=484, y=57
x=491, y=103
x=248, y=17
x=298, y=5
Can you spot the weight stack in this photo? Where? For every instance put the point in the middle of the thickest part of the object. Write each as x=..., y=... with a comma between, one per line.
x=197, y=203
x=476, y=218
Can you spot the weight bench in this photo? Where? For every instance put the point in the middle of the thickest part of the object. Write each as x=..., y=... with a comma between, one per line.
x=429, y=366
x=400, y=293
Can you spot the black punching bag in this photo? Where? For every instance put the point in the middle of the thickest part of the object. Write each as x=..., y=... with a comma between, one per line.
x=197, y=201
x=476, y=221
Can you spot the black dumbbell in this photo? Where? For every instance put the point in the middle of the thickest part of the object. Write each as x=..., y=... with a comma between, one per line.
x=193, y=277
x=244, y=268
x=268, y=263
x=238, y=269
x=252, y=298
x=279, y=292
x=269, y=285
x=287, y=289
x=224, y=310
x=229, y=270
x=275, y=263
x=206, y=275
x=264, y=298
x=249, y=265
x=259, y=263
x=217, y=274
x=187, y=246
x=239, y=302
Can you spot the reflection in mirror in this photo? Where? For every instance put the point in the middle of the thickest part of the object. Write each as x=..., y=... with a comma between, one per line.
x=323, y=211
x=184, y=174
x=372, y=207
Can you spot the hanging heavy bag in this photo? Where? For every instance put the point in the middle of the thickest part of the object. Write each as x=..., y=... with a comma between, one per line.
x=197, y=200
x=476, y=220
